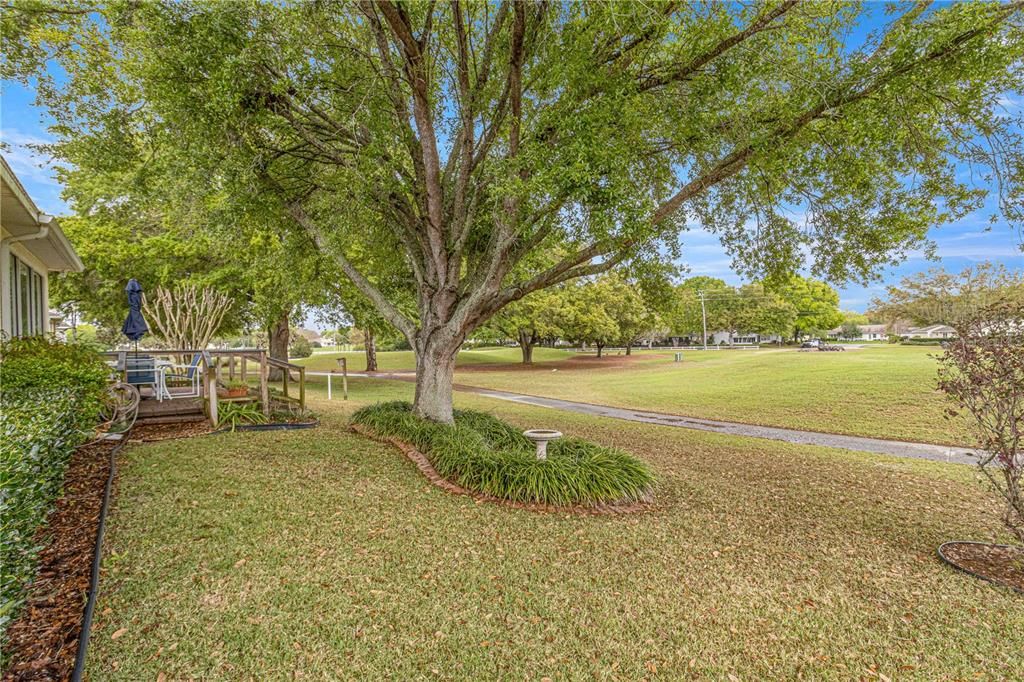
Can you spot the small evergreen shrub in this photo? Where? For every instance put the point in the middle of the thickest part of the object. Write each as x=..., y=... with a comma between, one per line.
x=484, y=454
x=50, y=396
x=300, y=348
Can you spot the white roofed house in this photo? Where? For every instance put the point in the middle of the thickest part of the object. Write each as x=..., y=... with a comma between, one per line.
x=868, y=332
x=932, y=331
x=32, y=245
x=311, y=335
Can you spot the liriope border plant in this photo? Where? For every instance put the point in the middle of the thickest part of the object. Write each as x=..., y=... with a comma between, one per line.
x=483, y=454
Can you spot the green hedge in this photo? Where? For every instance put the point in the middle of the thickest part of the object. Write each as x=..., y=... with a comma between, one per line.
x=923, y=342
x=39, y=363
x=49, y=398
x=484, y=454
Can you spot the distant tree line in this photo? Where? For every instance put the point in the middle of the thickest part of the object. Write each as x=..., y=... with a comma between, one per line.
x=941, y=297
x=615, y=310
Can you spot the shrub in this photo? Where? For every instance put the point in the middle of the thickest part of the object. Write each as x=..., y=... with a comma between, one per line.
x=300, y=348
x=486, y=455
x=400, y=343
x=37, y=363
x=50, y=395
x=922, y=342
x=982, y=371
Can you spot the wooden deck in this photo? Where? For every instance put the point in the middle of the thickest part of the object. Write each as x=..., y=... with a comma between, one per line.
x=153, y=411
x=215, y=367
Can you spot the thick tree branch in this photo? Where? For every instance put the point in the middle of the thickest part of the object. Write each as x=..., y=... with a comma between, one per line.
x=734, y=162
x=685, y=71
x=390, y=312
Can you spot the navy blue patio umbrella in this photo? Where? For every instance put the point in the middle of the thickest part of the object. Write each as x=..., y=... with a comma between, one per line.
x=134, y=326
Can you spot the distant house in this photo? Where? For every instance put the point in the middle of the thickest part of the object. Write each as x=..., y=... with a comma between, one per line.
x=933, y=331
x=32, y=245
x=311, y=335
x=868, y=332
x=58, y=324
x=741, y=338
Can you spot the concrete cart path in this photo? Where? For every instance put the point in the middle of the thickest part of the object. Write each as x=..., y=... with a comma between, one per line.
x=897, y=448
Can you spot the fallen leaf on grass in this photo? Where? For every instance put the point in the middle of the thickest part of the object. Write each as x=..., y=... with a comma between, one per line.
x=118, y=633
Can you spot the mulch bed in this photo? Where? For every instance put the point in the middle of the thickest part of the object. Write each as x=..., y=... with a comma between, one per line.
x=578, y=362
x=428, y=470
x=148, y=433
x=43, y=641
x=1000, y=564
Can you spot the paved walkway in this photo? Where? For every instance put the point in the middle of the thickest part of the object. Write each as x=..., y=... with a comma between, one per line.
x=898, y=448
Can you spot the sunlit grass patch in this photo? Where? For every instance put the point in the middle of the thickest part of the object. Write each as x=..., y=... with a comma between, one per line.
x=486, y=455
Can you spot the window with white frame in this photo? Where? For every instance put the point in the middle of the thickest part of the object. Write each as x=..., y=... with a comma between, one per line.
x=28, y=309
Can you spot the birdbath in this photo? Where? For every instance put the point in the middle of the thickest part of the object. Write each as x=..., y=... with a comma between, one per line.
x=540, y=438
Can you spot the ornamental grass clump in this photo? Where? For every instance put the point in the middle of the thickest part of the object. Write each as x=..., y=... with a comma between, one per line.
x=484, y=454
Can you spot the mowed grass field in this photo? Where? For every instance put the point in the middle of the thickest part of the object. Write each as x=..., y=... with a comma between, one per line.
x=405, y=360
x=323, y=555
x=879, y=391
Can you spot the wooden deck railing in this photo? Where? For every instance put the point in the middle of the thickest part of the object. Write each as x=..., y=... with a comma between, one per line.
x=217, y=365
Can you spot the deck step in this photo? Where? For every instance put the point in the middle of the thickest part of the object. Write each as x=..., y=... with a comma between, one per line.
x=153, y=408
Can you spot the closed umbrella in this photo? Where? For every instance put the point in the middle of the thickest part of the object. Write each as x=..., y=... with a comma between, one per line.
x=134, y=326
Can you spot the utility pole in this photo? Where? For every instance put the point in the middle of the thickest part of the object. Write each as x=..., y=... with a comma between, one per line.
x=704, y=317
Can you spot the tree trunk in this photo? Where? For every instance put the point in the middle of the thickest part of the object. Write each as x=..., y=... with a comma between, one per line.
x=435, y=371
x=526, y=343
x=629, y=349
x=600, y=347
x=370, y=344
x=277, y=338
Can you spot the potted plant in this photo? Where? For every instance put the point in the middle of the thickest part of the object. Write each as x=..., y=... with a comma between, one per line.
x=233, y=389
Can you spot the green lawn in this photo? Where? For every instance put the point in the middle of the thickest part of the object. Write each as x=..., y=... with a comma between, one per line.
x=319, y=554
x=879, y=391
x=404, y=359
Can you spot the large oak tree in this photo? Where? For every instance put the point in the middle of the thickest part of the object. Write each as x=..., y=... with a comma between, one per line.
x=459, y=138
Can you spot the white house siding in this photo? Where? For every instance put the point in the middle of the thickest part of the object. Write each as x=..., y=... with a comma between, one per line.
x=935, y=331
x=34, y=244
x=740, y=339
x=38, y=319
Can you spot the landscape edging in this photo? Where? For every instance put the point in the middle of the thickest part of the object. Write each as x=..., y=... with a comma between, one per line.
x=963, y=569
x=436, y=479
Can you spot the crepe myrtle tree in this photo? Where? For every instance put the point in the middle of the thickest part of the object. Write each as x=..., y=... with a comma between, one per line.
x=982, y=373
x=458, y=138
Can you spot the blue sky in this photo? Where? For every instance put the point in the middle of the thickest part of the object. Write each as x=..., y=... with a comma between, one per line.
x=959, y=245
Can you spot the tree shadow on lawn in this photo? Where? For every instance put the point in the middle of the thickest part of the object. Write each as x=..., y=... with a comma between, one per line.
x=763, y=559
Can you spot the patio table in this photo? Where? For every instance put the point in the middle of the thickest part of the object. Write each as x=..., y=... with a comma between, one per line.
x=159, y=385
x=162, y=391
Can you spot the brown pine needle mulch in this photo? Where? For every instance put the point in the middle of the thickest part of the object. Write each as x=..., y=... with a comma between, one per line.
x=43, y=641
x=1001, y=564
x=149, y=433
